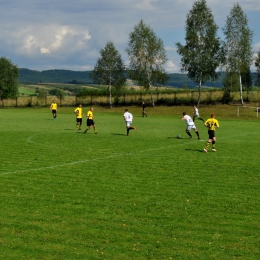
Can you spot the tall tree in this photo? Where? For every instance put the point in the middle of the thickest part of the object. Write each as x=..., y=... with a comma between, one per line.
x=257, y=65
x=109, y=69
x=147, y=57
x=203, y=53
x=246, y=79
x=9, y=74
x=238, y=40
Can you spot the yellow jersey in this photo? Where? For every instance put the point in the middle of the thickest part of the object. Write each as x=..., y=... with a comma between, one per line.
x=78, y=112
x=211, y=123
x=54, y=106
x=90, y=115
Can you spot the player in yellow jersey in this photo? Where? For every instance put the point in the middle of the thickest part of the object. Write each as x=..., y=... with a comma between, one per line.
x=90, y=121
x=54, y=109
x=211, y=124
x=79, y=115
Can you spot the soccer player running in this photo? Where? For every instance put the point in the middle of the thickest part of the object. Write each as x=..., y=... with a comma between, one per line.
x=90, y=121
x=144, y=110
x=79, y=114
x=128, y=117
x=211, y=124
x=190, y=125
x=196, y=114
x=54, y=109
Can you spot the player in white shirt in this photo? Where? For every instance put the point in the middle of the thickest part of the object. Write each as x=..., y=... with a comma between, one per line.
x=190, y=125
x=128, y=117
x=196, y=114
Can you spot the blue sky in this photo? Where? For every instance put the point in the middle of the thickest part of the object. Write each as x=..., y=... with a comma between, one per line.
x=66, y=34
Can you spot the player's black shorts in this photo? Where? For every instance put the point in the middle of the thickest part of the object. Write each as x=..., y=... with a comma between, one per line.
x=90, y=122
x=54, y=111
x=211, y=134
x=79, y=120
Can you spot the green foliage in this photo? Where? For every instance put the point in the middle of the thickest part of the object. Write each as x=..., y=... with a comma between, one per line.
x=54, y=76
x=8, y=79
x=231, y=81
x=147, y=56
x=238, y=40
x=146, y=196
x=110, y=69
x=42, y=93
x=257, y=65
x=202, y=54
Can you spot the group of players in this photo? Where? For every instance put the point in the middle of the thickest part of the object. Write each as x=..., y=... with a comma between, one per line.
x=79, y=115
x=210, y=123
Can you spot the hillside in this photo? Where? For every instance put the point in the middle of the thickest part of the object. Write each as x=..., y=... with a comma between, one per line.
x=53, y=76
x=176, y=80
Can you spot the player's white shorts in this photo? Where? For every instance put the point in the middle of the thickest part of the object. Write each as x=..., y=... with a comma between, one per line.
x=128, y=123
x=189, y=127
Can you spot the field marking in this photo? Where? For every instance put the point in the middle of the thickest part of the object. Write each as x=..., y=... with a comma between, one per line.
x=105, y=157
x=87, y=160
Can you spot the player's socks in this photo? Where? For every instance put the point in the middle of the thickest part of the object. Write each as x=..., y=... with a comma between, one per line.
x=188, y=133
x=207, y=145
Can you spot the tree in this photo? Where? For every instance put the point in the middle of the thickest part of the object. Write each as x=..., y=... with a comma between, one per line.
x=257, y=65
x=203, y=53
x=109, y=69
x=246, y=79
x=238, y=40
x=147, y=57
x=9, y=74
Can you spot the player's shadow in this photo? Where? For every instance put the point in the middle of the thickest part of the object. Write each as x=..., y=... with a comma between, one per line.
x=195, y=150
x=117, y=134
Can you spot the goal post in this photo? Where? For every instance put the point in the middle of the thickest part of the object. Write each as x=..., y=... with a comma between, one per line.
x=247, y=111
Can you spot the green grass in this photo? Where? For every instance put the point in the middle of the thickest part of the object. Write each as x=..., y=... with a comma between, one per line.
x=66, y=195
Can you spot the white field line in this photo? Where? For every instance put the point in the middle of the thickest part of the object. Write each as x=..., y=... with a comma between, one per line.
x=96, y=159
x=84, y=161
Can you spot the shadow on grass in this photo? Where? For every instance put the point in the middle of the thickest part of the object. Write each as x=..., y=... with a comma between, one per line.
x=117, y=134
x=174, y=137
x=195, y=150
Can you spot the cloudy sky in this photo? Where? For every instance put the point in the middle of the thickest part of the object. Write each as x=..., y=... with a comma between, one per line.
x=68, y=34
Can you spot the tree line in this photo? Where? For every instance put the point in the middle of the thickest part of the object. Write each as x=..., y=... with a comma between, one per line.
x=203, y=56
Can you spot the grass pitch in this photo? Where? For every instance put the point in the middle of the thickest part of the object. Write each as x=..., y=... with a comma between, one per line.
x=69, y=195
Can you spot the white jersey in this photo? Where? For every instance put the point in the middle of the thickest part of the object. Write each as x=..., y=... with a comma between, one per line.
x=189, y=120
x=196, y=111
x=128, y=117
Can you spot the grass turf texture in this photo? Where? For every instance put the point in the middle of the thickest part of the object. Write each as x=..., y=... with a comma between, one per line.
x=66, y=195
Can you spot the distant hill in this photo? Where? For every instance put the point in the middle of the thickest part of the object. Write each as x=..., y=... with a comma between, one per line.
x=176, y=80
x=179, y=80
x=54, y=76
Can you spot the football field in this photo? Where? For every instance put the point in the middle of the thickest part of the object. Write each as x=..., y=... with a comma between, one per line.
x=69, y=195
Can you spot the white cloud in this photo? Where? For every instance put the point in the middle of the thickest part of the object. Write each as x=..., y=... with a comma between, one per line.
x=256, y=47
x=64, y=34
x=45, y=51
x=169, y=48
x=170, y=67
